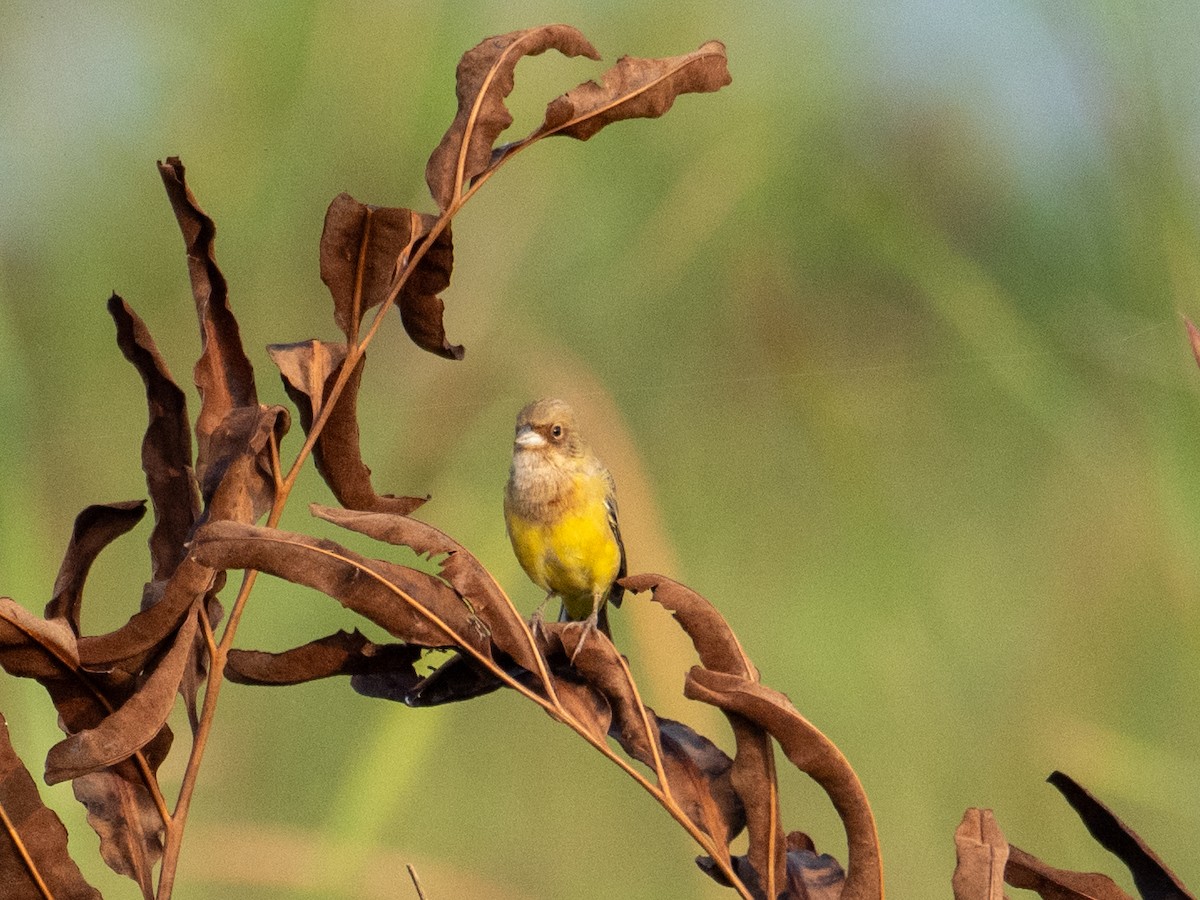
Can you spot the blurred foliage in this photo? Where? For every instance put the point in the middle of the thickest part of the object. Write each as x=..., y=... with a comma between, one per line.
x=882, y=344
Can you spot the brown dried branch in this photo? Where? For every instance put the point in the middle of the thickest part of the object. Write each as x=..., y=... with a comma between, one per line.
x=115, y=691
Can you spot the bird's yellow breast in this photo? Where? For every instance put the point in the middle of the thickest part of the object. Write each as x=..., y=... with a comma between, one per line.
x=569, y=547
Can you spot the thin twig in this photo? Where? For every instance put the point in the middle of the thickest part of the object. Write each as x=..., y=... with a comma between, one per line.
x=412, y=873
x=177, y=823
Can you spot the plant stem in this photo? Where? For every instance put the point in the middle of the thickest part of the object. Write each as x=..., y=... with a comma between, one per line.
x=219, y=652
x=412, y=873
x=176, y=823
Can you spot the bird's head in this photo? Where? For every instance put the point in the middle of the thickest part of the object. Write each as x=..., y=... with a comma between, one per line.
x=547, y=426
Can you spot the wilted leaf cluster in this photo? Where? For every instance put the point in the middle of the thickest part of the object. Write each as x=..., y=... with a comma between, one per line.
x=986, y=860
x=113, y=693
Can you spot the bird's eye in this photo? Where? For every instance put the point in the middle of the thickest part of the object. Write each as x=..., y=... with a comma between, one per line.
x=556, y=431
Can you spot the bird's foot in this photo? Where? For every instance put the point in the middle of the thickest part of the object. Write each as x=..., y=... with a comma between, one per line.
x=537, y=622
x=589, y=627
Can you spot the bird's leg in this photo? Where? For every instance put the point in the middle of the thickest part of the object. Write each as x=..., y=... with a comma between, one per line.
x=538, y=618
x=590, y=624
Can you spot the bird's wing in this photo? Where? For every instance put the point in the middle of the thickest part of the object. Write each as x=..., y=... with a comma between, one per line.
x=616, y=593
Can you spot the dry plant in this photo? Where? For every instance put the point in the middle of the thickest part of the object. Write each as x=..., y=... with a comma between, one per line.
x=114, y=692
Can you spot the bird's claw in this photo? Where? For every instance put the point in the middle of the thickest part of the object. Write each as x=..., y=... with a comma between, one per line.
x=537, y=623
x=590, y=626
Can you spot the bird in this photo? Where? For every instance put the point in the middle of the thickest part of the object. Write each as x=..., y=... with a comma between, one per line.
x=560, y=509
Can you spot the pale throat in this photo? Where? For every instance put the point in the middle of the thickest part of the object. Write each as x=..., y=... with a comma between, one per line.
x=534, y=484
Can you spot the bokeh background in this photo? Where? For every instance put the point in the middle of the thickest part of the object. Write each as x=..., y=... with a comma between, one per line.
x=883, y=343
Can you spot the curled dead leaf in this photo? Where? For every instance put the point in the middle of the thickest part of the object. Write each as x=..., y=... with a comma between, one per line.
x=1151, y=875
x=341, y=653
x=128, y=647
x=223, y=373
x=485, y=76
x=699, y=773
x=459, y=568
x=982, y=853
x=636, y=88
x=239, y=482
x=95, y=528
x=596, y=659
x=309, y=370
x=810, y=751
x=125, y=817
x=812, y=876
x=121, y=807
x=413, y=606
x=137, y=722
x=1023, y=870
x=363, y=250
x=166, y=446
x=42, y=835
x=715, y=642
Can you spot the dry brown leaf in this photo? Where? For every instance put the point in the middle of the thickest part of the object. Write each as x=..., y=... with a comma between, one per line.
x=309, y=370
x=459, y=678
x=360, y=245
x=754, y=778
x=811, y=876
x=753, y=773
x=363, y=249
x=1151, y=876
x=41, y=832
x=810, y=751
x=120, y=807
x=239, y=482
x=223, y=373
x=1023, y=870
x=413, y=606
x=122, y=814
x=715, y=643
x=699, y=773
x=33, y=647
x=599, y=663
x=166, y=446
x=420, y=302
x=129, y=646
x=341, y=653
x=587, y=705
x=484, y=78
x=95, y=528
x=137, y=722
x=636, y=89
x=982, y=852
x=456, y=565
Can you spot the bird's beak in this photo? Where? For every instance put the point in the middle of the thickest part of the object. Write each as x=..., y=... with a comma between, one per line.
x=527, y=438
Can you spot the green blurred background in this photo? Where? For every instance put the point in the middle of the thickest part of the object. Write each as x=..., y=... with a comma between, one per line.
x=883, y=343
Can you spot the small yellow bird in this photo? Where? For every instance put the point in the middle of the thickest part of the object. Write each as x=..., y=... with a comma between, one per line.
x=560, y=506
